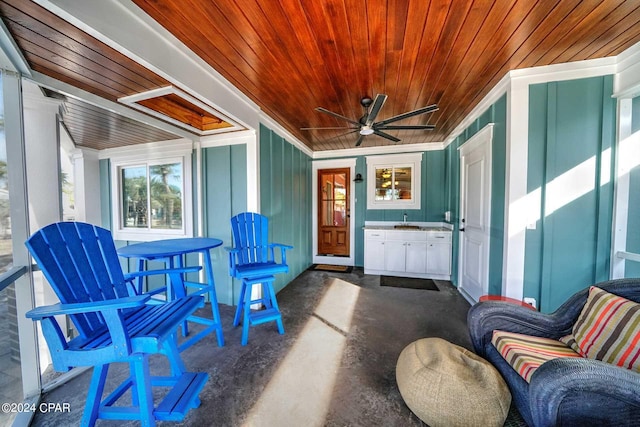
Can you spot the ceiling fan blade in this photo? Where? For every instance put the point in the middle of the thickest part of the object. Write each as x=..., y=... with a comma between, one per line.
x=328, y=128
x=336, y=115
x=375, y=108
x=359, y=141
x=423, y=110
x=386, y=135
x=407, y=127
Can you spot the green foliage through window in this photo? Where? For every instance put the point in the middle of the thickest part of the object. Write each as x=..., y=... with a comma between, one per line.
x=152, y=196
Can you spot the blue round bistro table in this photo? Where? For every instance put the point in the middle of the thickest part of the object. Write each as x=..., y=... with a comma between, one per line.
x=169, y=251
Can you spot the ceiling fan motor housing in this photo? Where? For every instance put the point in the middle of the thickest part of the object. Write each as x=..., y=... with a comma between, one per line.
x=366, y=102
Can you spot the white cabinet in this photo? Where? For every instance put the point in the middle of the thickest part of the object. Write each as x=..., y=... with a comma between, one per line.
x=374, y=248
x=439, y=257
x=394, y=255
x=410, y=253
x=405, y=251
x=416, y=257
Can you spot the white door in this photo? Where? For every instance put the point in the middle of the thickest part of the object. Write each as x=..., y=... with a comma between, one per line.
x=475, y=214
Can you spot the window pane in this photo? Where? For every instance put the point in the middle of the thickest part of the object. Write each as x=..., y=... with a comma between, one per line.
x=134, y=197
x=340, y=213
x=403, y=182
x=326, y=212
x=166, y=196
x=384, y=188
x=340, y=189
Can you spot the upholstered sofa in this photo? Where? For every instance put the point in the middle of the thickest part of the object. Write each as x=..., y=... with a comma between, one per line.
x=577, y=390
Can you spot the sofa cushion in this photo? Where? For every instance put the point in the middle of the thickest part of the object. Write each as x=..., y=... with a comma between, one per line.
x=608, y=329
x=526, y=353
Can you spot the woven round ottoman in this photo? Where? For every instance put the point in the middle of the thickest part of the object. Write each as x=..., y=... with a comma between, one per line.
x=447, y=385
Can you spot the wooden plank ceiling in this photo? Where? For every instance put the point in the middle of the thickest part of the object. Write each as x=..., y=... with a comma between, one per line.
x=292, y=56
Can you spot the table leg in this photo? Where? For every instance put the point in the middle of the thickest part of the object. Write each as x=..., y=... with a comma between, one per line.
x=141, y=279
x=185, y=326
x=208, y=266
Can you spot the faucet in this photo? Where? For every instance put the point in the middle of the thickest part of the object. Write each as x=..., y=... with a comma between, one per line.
x=404, y=217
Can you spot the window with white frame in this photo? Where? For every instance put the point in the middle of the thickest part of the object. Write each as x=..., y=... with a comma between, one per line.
x=151, y=197
x=393, y=181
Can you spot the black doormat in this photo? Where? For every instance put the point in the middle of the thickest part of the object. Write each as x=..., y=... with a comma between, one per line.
x=408, y=282
x=332, y=268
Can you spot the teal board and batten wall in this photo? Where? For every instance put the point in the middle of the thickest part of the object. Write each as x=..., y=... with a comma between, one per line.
x=570, y=165
x=224, y=188
x=285, y=198
x=497, y=115
x=632, y=269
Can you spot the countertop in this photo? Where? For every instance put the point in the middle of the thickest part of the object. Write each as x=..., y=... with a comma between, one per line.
x=391, y=227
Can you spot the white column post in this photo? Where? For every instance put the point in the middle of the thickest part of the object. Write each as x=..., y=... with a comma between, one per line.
x=86, y=190
x=517, y=214
x=621, y=197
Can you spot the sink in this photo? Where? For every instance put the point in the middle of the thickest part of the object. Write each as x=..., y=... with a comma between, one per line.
x=406, y=227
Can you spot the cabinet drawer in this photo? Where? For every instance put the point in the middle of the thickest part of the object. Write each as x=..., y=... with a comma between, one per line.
x=439, y=237
x=374, y=234
x=407, y=236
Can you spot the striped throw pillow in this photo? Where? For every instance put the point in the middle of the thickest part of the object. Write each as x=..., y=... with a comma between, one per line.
x=608, y=329
x=526, y=353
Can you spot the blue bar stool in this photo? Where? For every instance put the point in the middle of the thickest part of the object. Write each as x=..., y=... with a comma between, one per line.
x=270, y=313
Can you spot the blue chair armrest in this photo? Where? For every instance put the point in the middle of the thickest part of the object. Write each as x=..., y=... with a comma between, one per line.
x=232, y=259
x=584, y=392
x=283, y=249
x=39, y=313
x=280, y=245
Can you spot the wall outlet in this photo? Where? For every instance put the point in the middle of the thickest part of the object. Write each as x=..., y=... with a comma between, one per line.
x=531, y=301
x=447, y=216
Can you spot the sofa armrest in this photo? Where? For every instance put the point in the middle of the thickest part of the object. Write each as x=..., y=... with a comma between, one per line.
x=584, y=392
x=485, y=317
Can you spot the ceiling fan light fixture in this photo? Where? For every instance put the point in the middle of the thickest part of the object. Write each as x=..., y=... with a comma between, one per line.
x=366, y=130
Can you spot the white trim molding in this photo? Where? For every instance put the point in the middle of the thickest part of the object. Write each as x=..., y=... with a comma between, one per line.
x=381, y=150
x=626, y=83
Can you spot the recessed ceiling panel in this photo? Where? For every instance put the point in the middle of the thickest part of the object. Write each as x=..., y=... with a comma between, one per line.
x=173, y=105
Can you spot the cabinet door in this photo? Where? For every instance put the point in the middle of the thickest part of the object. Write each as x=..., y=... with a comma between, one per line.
x=394, y=255
x=439, y=258
x=373, y=254
x=416, y=257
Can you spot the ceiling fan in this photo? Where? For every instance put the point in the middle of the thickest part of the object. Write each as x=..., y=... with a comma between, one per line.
x=367, y=125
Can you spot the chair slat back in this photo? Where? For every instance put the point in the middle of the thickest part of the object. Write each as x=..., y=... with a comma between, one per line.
x=81, y=263
x=251, y=237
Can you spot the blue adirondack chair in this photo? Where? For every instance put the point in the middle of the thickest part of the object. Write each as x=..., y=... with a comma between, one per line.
x=253, y=261
x=114, y=324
